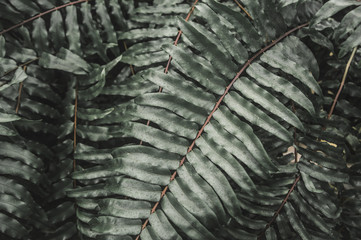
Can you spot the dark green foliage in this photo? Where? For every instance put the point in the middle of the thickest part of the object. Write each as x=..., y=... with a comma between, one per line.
x=103, y=135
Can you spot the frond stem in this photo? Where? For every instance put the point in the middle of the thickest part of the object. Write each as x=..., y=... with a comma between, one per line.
x=190, y=148
x=75, y=122
x=342, y=83
x=280, y=207
x=40, y=15
x=243, y=9
x=19, y=95
x=148, y=122
x=22, y=65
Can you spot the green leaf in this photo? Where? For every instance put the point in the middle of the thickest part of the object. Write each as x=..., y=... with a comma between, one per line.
x=12, y=227
x=40, y=35
x=332, y=7
x=2, y=47
x=209, y=46
x=72, y=30
x=56, y=30
x=19, y=76
x=322, y=173
x=183, y=219
x=296, y=224
x=7, y=117
x=254, y=115
x=219, y=27
x=267, y=101
x=115, y=226
x=281, y=85
x=5, y=131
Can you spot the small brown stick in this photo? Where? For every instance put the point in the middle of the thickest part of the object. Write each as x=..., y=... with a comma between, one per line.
x=342, y=83
x=75, y=122
x=19, y=96
x=280, y=208
x=243, y=9
x=22, y=65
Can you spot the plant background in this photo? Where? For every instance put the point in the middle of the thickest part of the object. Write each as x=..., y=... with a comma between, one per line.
x=103, y=135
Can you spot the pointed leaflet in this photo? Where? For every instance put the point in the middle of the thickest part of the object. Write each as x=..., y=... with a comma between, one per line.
x=254, y=115
x=193, y=203
x=92, y=31
x=19, y=76
x=232, y=124
x=72, y=30
x=267, y=101
x=134, y=189
x=115, y=226
x=183, y=219
x=217, y=180
x=124, y=208
x=209, y=47
x=105, y=21
x=157, y=138
x=352, y=41
x=175, y=104
x=295, y=222
x=12, y=227
x=226, y=162
x=332, y=7
x=277, y=57
x=2, y=47
x=148, y=155
x=196, y=67
x=161, y=226
x=234, y=146
x=241, y=24
x=219, y=26
x=165, y=119
x=40, y=35
x=176, y=84
x=281, y=85
x=56, y=30
x=202, y=189
x=348, y=23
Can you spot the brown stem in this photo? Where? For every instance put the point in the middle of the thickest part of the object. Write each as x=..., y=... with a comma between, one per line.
x=169, y=62
x=40, y=15
x=293, y=185
x=75, y=120
x=342, y=83
x=19, y=96
x=280, y=208
x=22, y=65
x=190, y=148
x=243, y=9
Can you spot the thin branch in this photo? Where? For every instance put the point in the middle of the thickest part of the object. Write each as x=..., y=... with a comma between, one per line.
x=169, y=62
x=40, y=15
x=190, y=148
x=243, y=9
x=75, y=122
x=293, y=185
x=148, y=122
x=342, y=83
x=280, y=208
x=22, y=65
x=19, y=95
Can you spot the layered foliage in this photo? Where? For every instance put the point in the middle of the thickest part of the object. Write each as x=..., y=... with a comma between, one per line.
x=180, y=120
